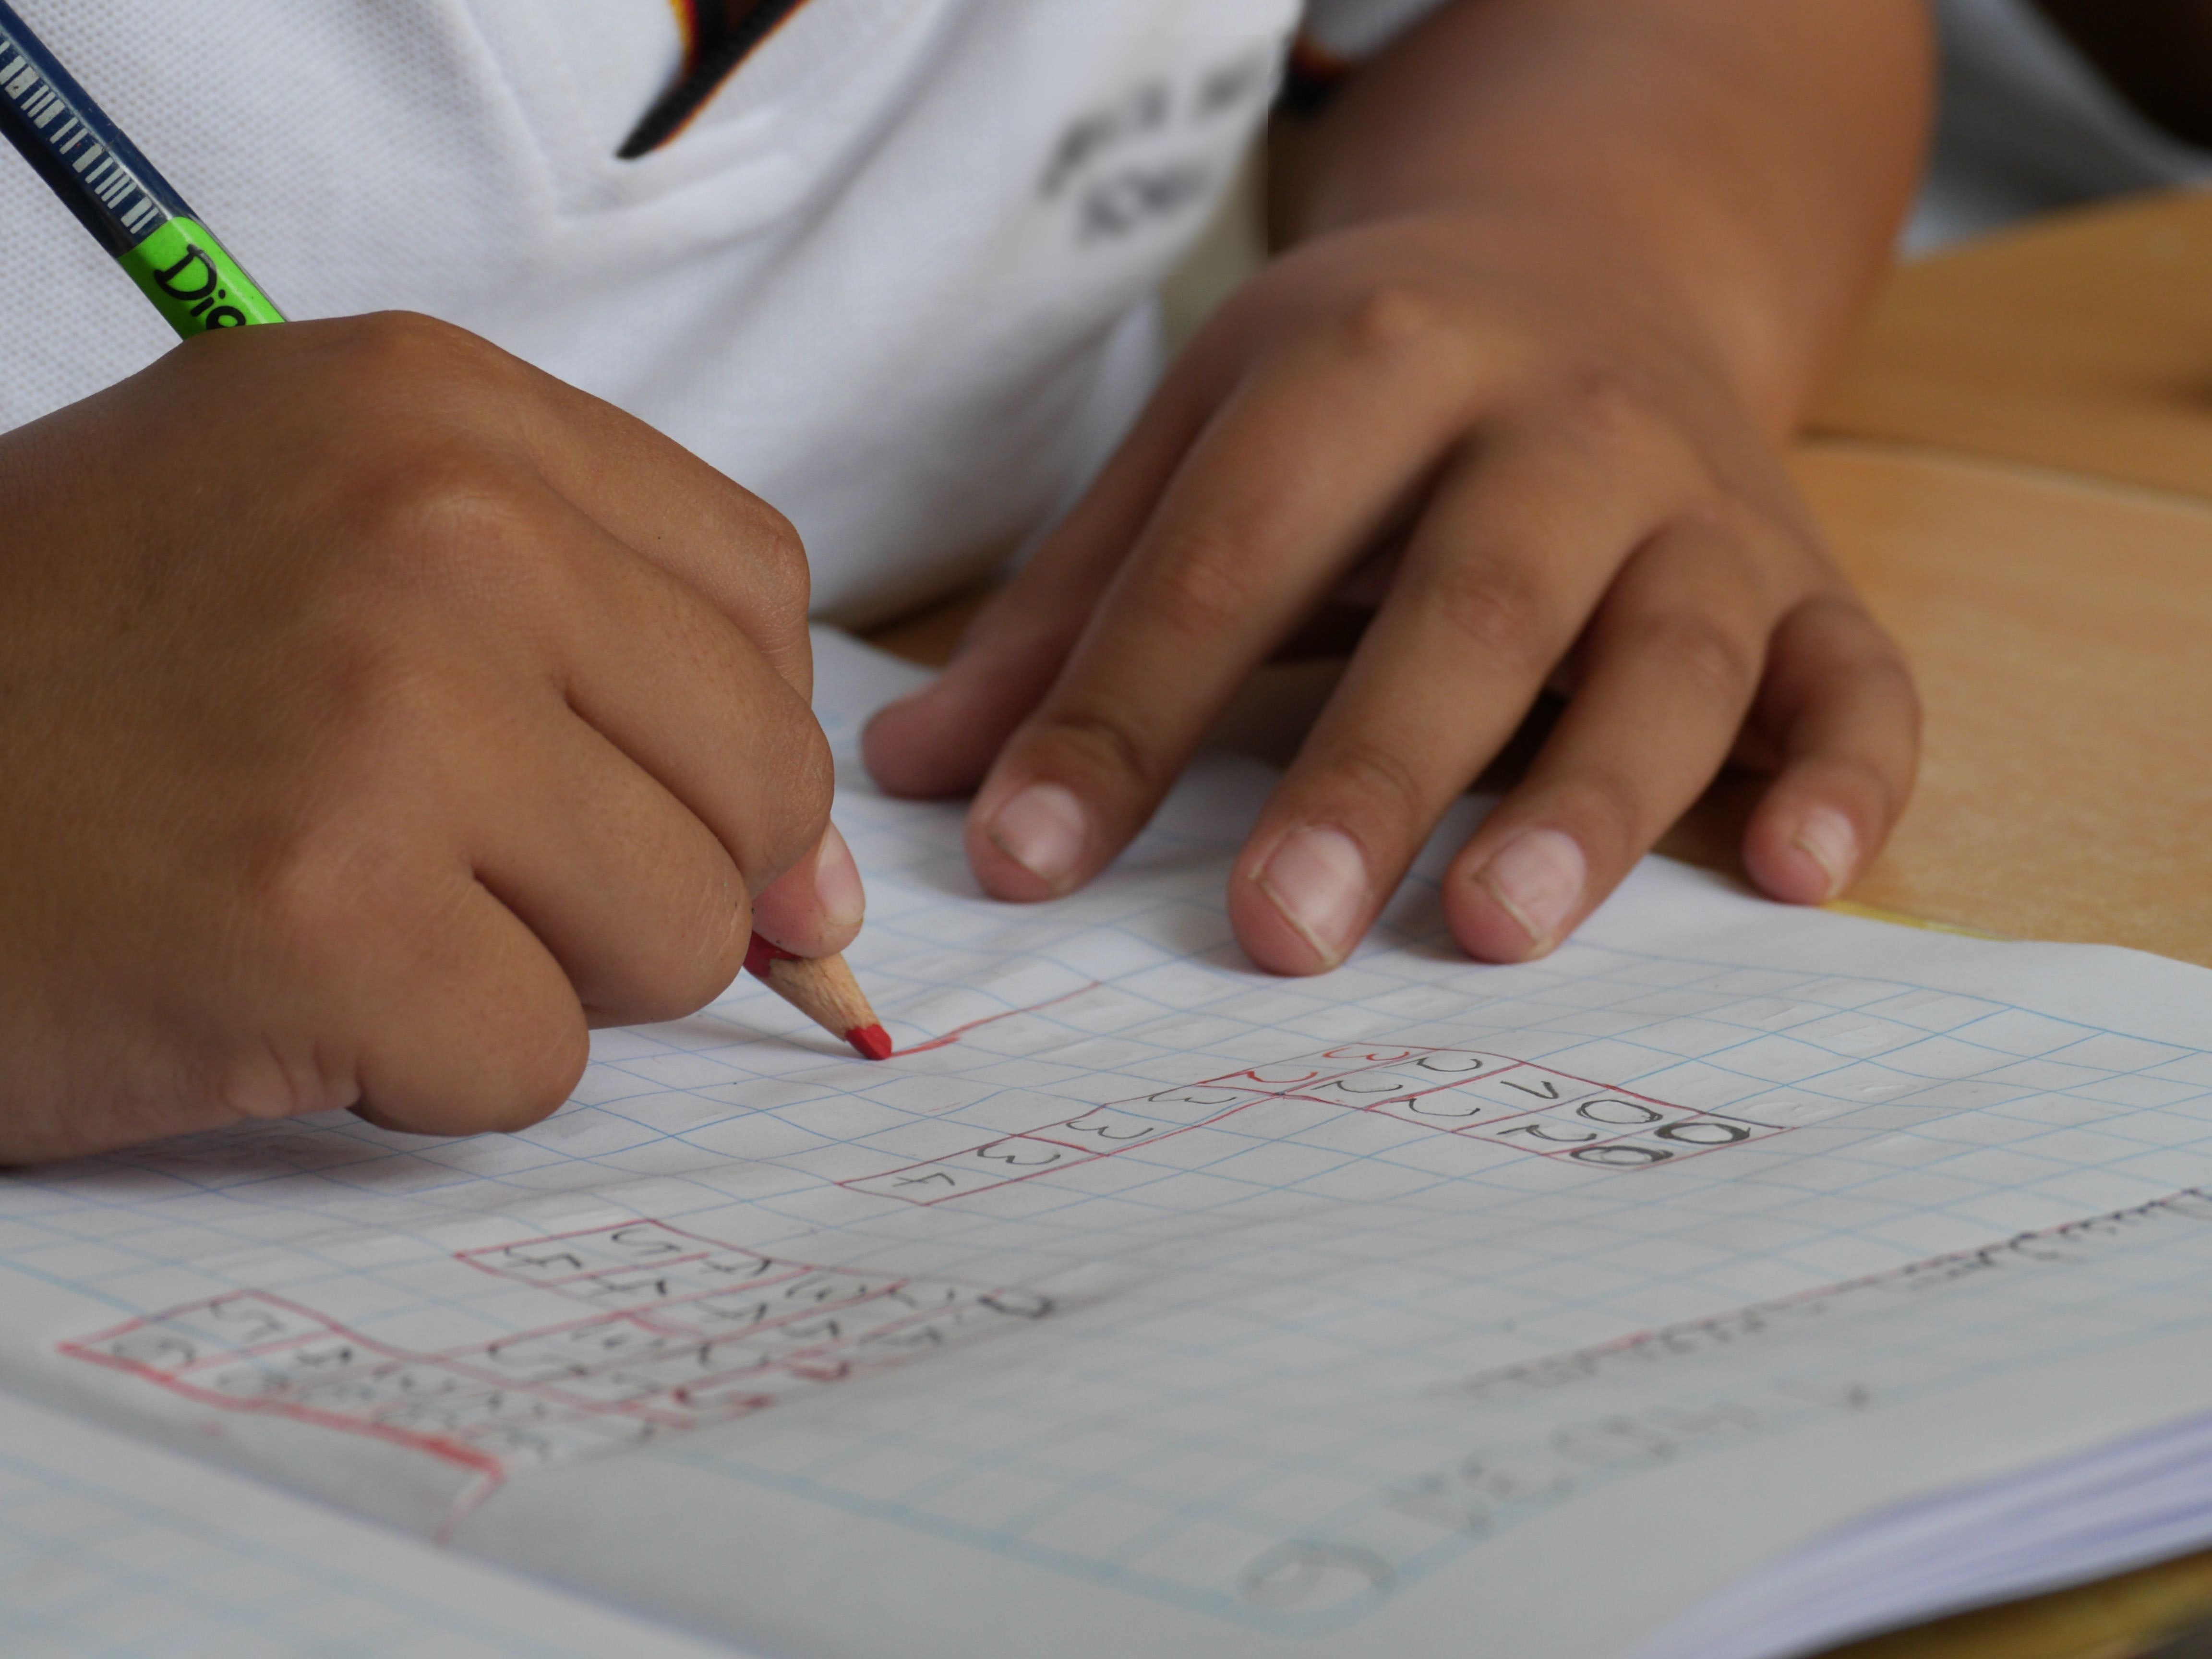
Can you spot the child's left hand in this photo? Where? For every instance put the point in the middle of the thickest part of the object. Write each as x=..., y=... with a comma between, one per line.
x=1543, y=470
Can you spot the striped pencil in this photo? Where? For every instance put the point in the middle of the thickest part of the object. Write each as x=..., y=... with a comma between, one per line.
x=117, y=195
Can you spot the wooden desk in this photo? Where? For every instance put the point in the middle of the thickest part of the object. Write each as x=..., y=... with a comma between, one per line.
x=2082, y=343
x=2058, y=630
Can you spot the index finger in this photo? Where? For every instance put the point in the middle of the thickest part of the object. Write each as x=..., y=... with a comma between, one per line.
x=1303, y=468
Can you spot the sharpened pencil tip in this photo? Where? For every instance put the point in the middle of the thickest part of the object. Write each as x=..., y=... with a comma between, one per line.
x=870, y=1041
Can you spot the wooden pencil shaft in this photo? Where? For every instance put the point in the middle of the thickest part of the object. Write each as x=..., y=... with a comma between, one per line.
x=823, y=990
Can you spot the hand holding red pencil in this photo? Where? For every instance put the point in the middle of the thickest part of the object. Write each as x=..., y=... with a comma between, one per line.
x=800, y=923
x=543, y=735
x=542, y=759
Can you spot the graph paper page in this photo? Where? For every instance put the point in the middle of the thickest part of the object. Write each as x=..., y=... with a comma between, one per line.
x=110, y=1547
x=1143, y=1304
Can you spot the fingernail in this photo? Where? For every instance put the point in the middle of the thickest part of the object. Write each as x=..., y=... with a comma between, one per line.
x=837, y=882
x=1827, y=838
x=1043, y=829
x=1318, y=879
x=1539, y=879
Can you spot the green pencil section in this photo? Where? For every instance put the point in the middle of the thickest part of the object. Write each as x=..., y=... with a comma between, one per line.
x=194, y=282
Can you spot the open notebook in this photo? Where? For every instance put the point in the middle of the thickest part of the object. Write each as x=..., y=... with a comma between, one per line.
x=1736, y=1281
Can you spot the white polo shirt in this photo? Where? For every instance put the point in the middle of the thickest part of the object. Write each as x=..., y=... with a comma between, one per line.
x=894, y=276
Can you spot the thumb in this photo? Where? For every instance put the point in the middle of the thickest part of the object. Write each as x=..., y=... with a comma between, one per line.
x=815, y=907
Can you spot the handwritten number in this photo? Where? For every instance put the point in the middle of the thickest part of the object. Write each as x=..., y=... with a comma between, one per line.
x=1438, y=1063
x=1051, y=1156
x=1706, y=1132
x=1083, y=1126
x=563, y=1260
x=1542, y=1132
x=1621, y=1157
x=1620, y=1113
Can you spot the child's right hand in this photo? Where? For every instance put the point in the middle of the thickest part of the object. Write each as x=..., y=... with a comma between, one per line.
x=376, y=714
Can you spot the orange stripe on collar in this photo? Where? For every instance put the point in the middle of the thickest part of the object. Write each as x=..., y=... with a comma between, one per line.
x=687, y=25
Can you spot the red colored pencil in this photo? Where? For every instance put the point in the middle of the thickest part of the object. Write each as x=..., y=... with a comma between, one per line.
x=824, y=990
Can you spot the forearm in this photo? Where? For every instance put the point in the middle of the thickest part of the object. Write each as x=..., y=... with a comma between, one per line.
x=1750, y=159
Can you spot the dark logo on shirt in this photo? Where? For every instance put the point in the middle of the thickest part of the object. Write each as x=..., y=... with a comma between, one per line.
x=1161, y=151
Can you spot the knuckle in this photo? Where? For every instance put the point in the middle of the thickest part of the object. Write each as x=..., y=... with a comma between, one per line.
x=405, y=348
x=1598, y=417
x=777, y=553
x=1203, y=589
x=1396, y=320
x=1382, y=778
x=460, y=524
x=1499, y=610
x=1601, y=408
x=1609, y=808
x=1720, y=662
x=393, y=488
x=1101, y=743
x=444, y=506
